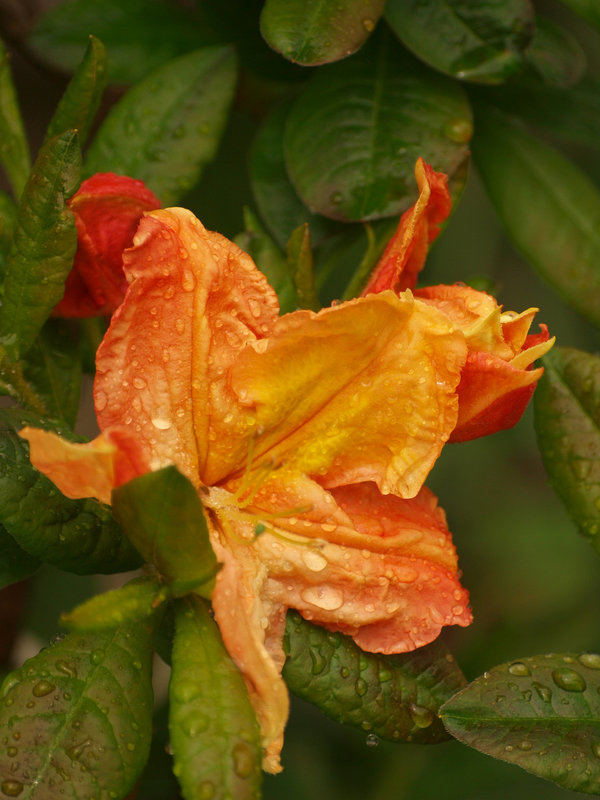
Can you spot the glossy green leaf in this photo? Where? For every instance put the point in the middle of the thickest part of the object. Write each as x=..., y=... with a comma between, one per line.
x=567, y=422
x=213, y=730
x=44, y=245
x=75, y=535
x=78, y=717
x=52, y=367
x=542, y=713
x=310, y=32
x=14, y=150
x=481, y=42
x=301, y=266
x=393, y=697
x=168, y=126
x=269, y=259
x=549, y=207
x=162, y=515
x=353, y=136
x=588, y=9
x=277, y=200
x=134, y=602
x=15, y=563
x=555, y=54
x=79, y=104
x=139, y=35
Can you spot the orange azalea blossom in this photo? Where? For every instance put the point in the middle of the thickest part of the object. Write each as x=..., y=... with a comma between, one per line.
x=308, y=436
x=107, y=209
x=497, y=380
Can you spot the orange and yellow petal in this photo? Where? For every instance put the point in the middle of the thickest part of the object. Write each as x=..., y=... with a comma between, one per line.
x=194, y=301
x=364, y=391
x=405, y=254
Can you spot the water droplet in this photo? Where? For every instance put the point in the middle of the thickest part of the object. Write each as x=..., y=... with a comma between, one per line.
x=194, y=724
x=543, y=691
x=314, y=561
x=372, y=740
x=368, y=24
x=96, y=656
x=243, y=761
x=361, y=687
x=590, y=660
x=319, y=662
x=67, y=669
x=384, y=673
x=100, y=401
x=519, y=669
x=42, y=688
x=161, y=423
x=139, y=383
x=569, y=680
x=596, y=749
x=11, y=752
x=130, y=746
x=12, y=788
x=188, y=281
x=344, y=672
x=186, y=691
x=422, y=717
x=525, y=745
x=336, y=198
x=77, y=750
x=458, y=130
x=326, y=597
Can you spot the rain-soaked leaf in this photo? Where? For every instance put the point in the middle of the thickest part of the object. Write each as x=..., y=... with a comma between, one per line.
x=15, y=563
x=567, y=422
x=549, y=207
x=75, y=535
x=481, y=42
x=162, y=515
x=353, y=136
x=310, y=32
x=134, y=602
x=78, y=717
x=14, y=150
x=167, y=127
x=542, y=713
x=300, y=264
x=213, y=730
x=556, y=55
x=393, y=697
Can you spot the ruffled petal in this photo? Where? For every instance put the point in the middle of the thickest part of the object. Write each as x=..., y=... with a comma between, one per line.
x=194, y=301
x=405, y=254
x=362, y=391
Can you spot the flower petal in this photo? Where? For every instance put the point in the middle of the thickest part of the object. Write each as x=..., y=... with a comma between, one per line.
x=405, y=254
x=362, y=391
x=194, y=300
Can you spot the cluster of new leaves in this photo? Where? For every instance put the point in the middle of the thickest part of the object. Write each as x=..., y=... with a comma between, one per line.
x=348, y=95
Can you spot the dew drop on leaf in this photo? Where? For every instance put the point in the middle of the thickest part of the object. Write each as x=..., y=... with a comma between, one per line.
x=43, y=688
x=590, y=660
x=372, y=740
x=569, y=680
x=12, y=788
x=243, y=763
x=519, y=669
x=422, y=717
x=544, y=692
x=360, y=687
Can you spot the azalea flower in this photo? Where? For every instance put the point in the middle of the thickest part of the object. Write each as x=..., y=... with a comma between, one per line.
x=497, y=380
x=308, y=436
x=107, y=209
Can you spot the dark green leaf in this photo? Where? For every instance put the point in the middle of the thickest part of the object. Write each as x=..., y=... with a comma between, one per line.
x=549, y=207
x=354, y=135
x=140, y=35
x=162, y=515
x=588, y=9
x=279, y=205
x=44, y=245
x=79, y=104
x=555, y=54
x=166, y=128
x=8, y=220
x=14, y=150
x=75, y=535
x=214, y=734
x=394, y=697
x=311, y=32
x=542, y=713
x=53, y=369
x=269, y=260
x=134, y=602
x=567, y=422
x=78, y=717
x=15, y=563
x=481, y=42
x=300, y=265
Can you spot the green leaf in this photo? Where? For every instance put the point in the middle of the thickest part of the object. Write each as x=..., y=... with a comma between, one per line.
x=279, y=205
x=8, y=220
x=269, y=260
x=15, y=563
x=549, y=207
x=300, y=265
x=78, y=717
x=311, y=32
x=162, y=515
x=214, y=734
x=352, y=138
x=393, y=697
x=44, y=245
x=134, y=602
x=79, y=104
x=53, y=369
x=139, y=35
x=556, y=55
x=542, y=713
x=588, y=9
x=567, y=422
x=168, y=126
x=481, y=42
x=14, y=150
x=75, y=535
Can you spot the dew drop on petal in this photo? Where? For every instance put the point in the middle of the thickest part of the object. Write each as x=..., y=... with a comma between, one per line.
x=326, y=597
x=161, y=423
x=100, y=401
x=314, y=561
